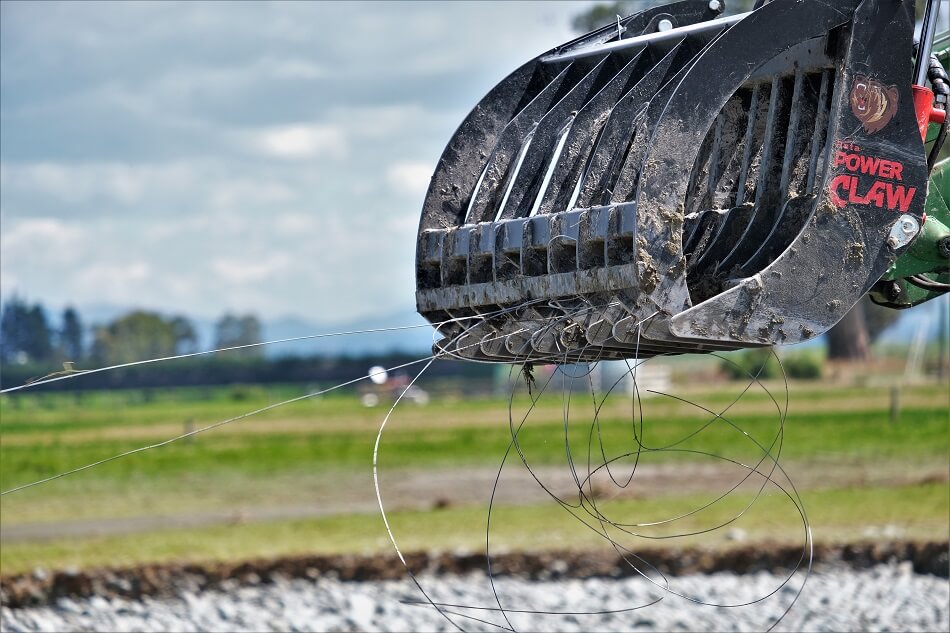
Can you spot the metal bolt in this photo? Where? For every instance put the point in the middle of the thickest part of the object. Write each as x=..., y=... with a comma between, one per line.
x=664, y=25
x=715, y=6
x=893, y=291
x=944, y=246
x=903, y=231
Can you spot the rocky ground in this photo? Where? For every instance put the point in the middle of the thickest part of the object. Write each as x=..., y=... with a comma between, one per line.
x=872, y=586
x=882, y=598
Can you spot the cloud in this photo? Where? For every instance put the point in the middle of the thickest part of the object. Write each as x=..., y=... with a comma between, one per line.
x=247, y=270
x=113, y=282
x=174, y=188
x=386, y=121
x=296, y=142
x=410, y=179
x=270, y=157
x=293, y=68
x=242, y=194
x=50, y=239
x=287, y=224
x=81, y=182
x=180, y=87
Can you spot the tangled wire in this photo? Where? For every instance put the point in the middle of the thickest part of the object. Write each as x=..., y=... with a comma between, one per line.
x=607, y=460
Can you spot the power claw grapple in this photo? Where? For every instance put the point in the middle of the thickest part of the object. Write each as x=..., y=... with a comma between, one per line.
x=681, y=181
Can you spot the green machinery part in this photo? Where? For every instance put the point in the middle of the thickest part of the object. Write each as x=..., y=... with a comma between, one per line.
x=922, y=273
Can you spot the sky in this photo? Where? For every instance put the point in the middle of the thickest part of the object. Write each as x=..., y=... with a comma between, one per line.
x=267, y=158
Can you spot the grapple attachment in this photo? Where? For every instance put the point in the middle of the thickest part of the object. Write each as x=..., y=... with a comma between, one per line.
x=678, y=182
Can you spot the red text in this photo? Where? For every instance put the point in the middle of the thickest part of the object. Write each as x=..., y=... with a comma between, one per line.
x=846, y=188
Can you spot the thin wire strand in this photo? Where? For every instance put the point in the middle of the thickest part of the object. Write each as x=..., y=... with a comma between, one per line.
x=585, y=498
x=76, y=373
x=587, y=510
x=223, y=422
x=210, y=427
x=382, y=508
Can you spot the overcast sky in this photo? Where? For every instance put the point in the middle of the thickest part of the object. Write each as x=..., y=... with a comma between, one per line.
x=271, y=157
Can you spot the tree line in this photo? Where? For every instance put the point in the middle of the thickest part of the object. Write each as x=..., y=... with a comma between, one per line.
x=28, y=336
x=33, y=345
x=230, y=369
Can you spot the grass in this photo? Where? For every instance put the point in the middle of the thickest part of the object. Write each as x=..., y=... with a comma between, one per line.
x=46, y=417
x=860, y=434
x=322, y=449
x=337, y=432
x=836, y=515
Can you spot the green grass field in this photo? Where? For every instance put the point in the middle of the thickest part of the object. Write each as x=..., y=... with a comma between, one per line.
x=921, y=510
x=319, y=451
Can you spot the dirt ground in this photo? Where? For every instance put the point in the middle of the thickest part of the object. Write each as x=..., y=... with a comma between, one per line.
x=164, y=580
x=423, y=489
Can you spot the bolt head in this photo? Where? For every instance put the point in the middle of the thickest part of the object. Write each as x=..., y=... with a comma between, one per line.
x=715, y=5
x=893, y=291
x=909, y=226
x=944, y=246
x=664, y=25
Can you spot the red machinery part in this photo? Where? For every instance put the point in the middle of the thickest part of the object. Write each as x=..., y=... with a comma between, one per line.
x=926, y=112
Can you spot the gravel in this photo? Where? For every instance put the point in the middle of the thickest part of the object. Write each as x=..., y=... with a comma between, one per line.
x=883, y=598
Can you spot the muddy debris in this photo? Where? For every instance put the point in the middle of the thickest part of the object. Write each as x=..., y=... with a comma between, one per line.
x=170, y=579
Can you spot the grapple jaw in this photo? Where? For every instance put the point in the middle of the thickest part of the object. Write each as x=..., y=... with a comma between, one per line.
x=724, y=183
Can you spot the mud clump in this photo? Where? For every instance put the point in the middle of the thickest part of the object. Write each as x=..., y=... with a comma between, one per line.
x=649, y=277
x=855, y=256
